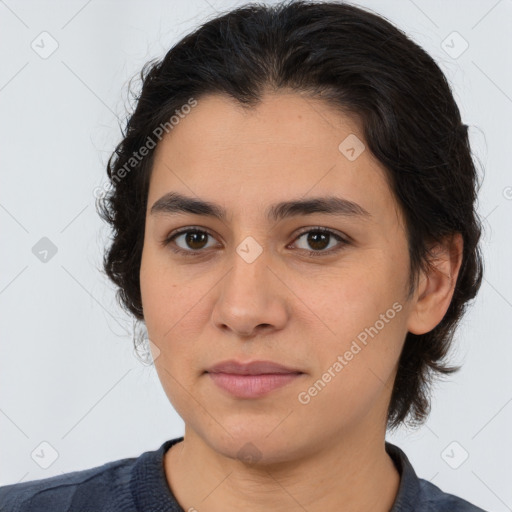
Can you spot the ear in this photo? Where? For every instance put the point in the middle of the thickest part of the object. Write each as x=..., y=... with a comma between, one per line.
x=436, y=286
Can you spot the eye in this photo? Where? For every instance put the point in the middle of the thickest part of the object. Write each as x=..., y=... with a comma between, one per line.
x=319, y=239
x=193, y=241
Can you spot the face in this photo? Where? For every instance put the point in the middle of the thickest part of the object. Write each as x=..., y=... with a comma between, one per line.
x=319, y=287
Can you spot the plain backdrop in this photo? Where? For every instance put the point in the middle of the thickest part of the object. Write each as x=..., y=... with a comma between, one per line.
x=68, y=374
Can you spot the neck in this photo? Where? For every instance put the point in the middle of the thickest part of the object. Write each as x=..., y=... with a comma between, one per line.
x=355, y=472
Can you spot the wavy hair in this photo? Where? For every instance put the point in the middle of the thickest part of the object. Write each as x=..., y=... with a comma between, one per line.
x=361, y=64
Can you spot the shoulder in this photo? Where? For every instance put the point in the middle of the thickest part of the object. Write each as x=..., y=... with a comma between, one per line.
x=70, y=490
x=420, y=495
x=436, y=499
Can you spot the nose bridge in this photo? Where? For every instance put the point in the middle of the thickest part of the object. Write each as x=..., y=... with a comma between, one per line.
x=247, y=281
x=248, y=298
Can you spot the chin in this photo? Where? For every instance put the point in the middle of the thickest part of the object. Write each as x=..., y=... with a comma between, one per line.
x=255, y=445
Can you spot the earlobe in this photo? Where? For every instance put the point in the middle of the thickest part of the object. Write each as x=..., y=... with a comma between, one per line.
x=436, y=285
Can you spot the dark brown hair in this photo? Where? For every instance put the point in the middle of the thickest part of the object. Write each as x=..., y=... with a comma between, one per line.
x=359, y=63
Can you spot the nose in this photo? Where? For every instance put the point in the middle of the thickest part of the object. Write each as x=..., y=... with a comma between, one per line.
x=251, y=300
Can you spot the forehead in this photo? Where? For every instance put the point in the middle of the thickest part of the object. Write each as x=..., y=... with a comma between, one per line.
x=287, y=146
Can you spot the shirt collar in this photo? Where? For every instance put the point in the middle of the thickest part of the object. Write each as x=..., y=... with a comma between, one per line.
x=151, y=491
x=409, y=487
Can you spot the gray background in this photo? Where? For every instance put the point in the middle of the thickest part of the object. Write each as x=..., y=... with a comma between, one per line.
x=68, y=373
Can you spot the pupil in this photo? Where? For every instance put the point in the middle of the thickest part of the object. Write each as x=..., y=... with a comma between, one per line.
x=192, y=236
x=313, y=240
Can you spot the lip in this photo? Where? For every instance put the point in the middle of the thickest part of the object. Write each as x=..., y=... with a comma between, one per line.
x=253, y=379
x=251, y=368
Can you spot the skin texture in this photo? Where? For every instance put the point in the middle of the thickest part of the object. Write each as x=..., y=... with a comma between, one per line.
x=286, y=306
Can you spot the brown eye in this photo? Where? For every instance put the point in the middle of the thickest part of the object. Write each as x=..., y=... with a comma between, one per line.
x=320, y=240
x=195, y=239
x=189, y=241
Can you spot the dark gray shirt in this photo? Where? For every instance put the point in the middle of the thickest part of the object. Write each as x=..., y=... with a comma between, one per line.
x=138, y=484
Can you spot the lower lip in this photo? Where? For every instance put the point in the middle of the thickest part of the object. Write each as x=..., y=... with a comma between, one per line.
x=251, y=386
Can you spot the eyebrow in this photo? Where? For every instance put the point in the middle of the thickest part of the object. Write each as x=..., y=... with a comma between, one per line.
x=174, y=202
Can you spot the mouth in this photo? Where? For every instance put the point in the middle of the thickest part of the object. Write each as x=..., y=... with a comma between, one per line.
x=251, y=380
x=252, y=368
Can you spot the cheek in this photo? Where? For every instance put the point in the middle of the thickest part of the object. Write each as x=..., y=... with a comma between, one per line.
x=175, y=317
x=353, y=297
x=364, y=308
x=169, y=315
x=165, y=298
x=354, y=376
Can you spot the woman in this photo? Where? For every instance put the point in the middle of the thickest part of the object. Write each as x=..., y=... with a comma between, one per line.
x=293, y=215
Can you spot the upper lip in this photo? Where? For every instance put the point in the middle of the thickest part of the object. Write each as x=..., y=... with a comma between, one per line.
x=250, y=368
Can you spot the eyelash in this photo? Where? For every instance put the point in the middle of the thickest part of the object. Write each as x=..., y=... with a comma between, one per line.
x=197, y=253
